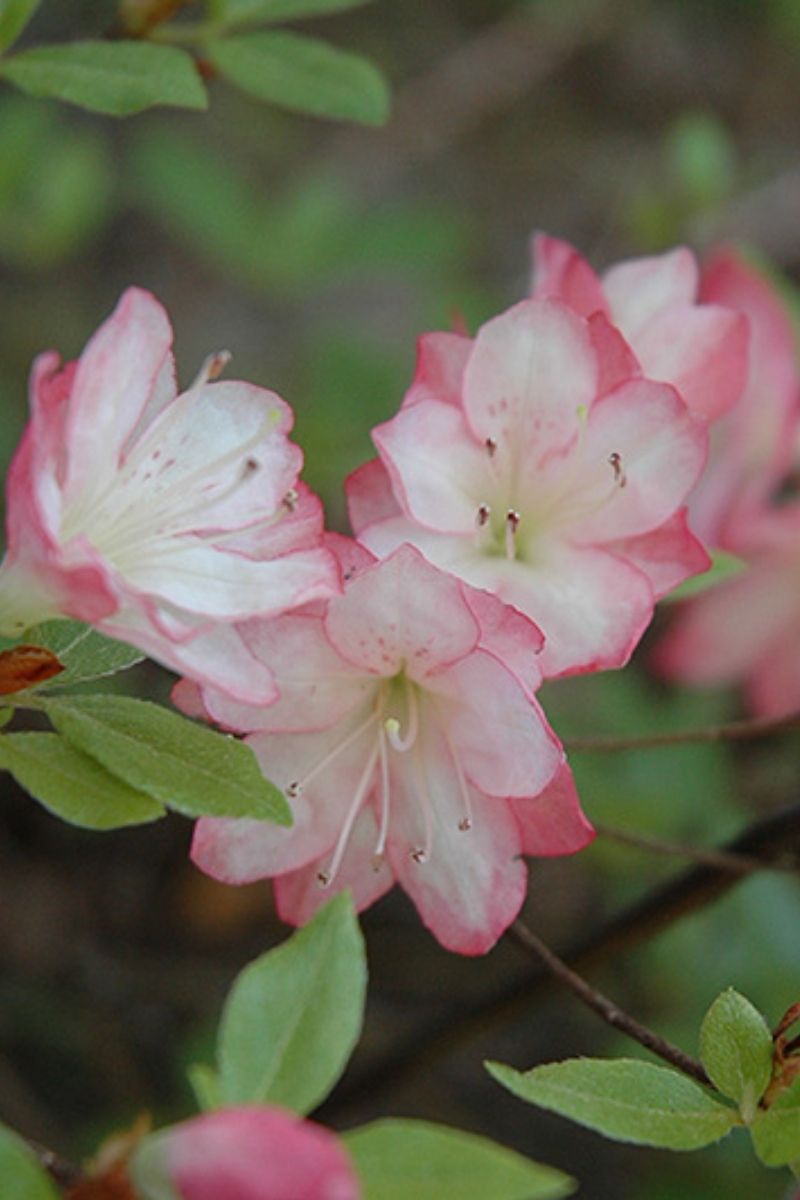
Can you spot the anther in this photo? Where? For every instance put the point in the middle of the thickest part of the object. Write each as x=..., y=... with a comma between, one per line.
x=483, y=515
x=323, y=879
x=491, y=446
x=615, y=462
x=513, y=519
x=294, y=789
x=251, y=465
x=377, y=862
x=290, y=500
x=217, y=364
x=464, y=825
x=512, y=524
x=419, y=856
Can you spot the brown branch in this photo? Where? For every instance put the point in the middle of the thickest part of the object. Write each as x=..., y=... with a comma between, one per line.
x=63, y=1172
x=771, y=837
x=721, y=860
x=607, y=1009
x=758, y=727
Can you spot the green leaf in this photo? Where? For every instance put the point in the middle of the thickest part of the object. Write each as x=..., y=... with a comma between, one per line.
x=624, y=1099
x=84, y=653
x=23, y=1178
x=14, y=16
x=776, y=1132
x=724, y=566
x=397, y=1160
x=189, y=768
x=205, y=1085
x=294, y=1015
x=72, y=785
x=116, y=78
x=241, y=12
x=5, y=716
x=303, y=74
x=736, y=1050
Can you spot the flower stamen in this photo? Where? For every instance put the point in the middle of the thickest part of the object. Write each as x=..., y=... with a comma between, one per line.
x=326, y=878
x=512, y=524
x=294, y=789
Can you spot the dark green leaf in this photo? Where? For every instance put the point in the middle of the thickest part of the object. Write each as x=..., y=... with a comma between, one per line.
x=624, y=1099
x=21, y=1175
x=189, y=768
x=736, y=1049
x=14, y=16
x=294, y=1015
x=5, y=716
x=84, y=653
x=72, y=785
x=776, y=1132
x=303, y=74
x=117, y=78
x=241, y=12
x=417, y=1160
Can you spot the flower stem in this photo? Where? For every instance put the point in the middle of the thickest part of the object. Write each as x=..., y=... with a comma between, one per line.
x=758, y=727
x=611, y=1013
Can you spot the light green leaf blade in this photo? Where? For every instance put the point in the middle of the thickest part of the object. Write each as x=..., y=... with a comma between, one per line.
x=84, y=653
x=736, y=1050
x=303, y=74
x=116, y=78
x=397, y=1160
x=776, y=1132
x=14, y=16
x=242, y=12
x=185, y=766
x=724, y=566
x=5, y=716
x=624, y=1099
x=23, y=1178
x=72, y=785
x=294, y=1015
x=205, y=1085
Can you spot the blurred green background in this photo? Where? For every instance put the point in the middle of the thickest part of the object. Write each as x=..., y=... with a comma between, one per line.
x=315, y=253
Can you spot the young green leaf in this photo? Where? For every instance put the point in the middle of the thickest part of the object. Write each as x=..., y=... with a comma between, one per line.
x=724, y=566
x=84, y=653
x=776, y=1132
x=5, y=716
x=736, y=1050
x=205, y=1085
x=23, y=1178
x=14, y=16
x=400, y=1159
x=189, y=768
x=294, y=1015
x=72, y=785
x=116, y=78
x=241, y=12
x=624, y=1099
x=304, y=74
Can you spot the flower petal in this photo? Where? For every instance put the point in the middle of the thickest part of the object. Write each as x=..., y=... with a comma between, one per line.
x=439, y=373
x=641, y=289
x=560, y=273
x=667, y=555
x=370, y=496
x=553, y=822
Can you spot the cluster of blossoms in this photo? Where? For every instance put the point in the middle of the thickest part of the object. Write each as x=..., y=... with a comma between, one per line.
x=526, y=511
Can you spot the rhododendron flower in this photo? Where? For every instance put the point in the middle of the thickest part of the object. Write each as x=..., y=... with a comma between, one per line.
x=536, y=463
x=409, y=750
x=159, y=518
x=249, y=1153
x=747, y=629
x=752, y=446
x=700, y=348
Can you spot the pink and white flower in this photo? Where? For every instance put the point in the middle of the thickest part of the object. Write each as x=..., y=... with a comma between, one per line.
x=247, y=1153
x=752, y=446
x=695, y=342
x=535, y=462
x=161, y=519
x=410, y=751
x=747, y=629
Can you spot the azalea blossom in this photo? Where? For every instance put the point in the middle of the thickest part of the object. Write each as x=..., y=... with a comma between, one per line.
x=746, y=629
x=753, y=446
x=409, y=751
x=161, y=519
x=678, y=336
x=535, y=462
x=246, y=1153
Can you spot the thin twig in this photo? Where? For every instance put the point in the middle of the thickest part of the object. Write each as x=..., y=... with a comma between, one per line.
x=63, y=1172
x=758, y=727
x=721, y=860
x=606, y=1008
x=774, y=835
